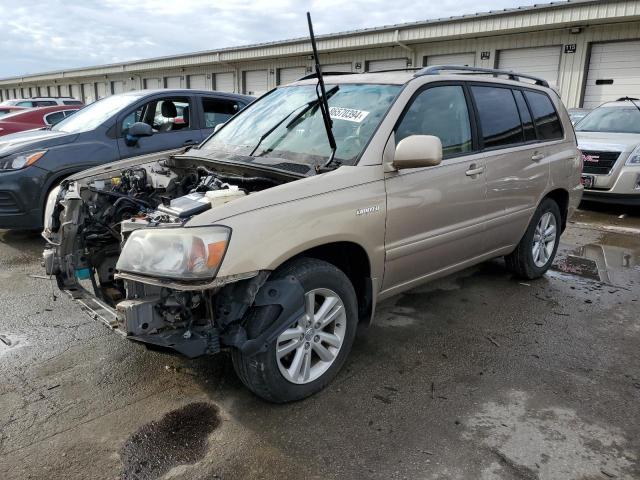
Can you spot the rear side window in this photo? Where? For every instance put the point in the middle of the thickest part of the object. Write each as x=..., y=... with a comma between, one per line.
x=545, y=116
x=44, y=103
x=442, y=112
x=525, y=116
x=498, y=115
x=24, y=104
x=54, y=118
x=218, y=111
x=71, y=102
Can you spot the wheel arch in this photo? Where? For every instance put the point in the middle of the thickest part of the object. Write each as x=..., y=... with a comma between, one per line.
x=561, y=197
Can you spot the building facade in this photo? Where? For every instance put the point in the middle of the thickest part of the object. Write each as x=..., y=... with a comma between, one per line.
x=588, y=49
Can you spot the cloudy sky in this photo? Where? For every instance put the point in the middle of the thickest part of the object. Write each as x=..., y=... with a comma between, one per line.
x=43, y=35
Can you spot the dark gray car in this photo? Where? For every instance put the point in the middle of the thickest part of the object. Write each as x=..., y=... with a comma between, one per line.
x=114, y=128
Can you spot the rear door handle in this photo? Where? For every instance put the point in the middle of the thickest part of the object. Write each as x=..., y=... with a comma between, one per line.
x=474, y=170
x=189, y=142
x=536, y=157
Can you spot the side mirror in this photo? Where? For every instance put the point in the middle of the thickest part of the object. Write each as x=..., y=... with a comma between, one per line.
x=418, y=151
x=218, y=127
x=136, y=131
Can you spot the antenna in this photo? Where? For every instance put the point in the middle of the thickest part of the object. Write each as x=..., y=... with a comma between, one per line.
x=322, y=96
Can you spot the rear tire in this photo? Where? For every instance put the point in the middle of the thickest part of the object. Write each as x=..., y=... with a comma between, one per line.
x=320, y=345
x=535, y=253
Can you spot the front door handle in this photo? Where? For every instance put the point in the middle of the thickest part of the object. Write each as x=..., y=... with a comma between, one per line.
x=536, y=157
x=474, y=170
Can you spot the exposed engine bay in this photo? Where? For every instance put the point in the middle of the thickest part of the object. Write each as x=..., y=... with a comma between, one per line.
x=89, y=220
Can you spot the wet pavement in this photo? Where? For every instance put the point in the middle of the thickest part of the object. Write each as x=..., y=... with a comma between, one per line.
x=476, y=376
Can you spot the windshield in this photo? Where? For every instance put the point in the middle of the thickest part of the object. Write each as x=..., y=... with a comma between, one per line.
x=288, y=123
x=611, y=119
x=95, y=114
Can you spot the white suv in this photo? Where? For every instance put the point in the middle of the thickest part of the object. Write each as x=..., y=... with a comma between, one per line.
x=609, y=138
x=41, y=102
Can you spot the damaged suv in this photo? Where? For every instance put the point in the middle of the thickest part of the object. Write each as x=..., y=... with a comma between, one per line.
x=268, y=241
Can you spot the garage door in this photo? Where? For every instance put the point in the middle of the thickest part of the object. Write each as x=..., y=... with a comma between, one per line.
x=614, y=72
x=75, y=92
x=151, y=83
x=225, y=82
x=102, y=90
x=43, y=91
x=117, y=86
x=88, y=93
x=337, y=67
x=173, y=82
x=64, y=90
x=543, y=62
x=288, y=75
x=462, y=59
x=392, y=64
x=198, y=82
x=255, y=82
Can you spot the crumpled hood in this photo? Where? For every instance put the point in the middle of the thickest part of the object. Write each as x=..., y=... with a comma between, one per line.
x=604, y=141
x=33, y=140
x=343, y=177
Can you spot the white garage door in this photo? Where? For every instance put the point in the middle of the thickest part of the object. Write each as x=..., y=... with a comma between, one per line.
x=614, y=72
x=64, y=90
x=117, y=86
x=337, y=67
x=75, y=92
x=198, y=82
x=288, y=75
x=462, y=59
x=173, y=82
x=543, y=62
x=88, y=93
x=392, y=64
x=152, y=83
x=225, y=82
x=43, y=91
x=102, y=90
x=255, y=82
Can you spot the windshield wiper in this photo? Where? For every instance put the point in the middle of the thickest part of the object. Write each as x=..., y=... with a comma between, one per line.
x=324, y=106
x=305, y=108
x=632, y=101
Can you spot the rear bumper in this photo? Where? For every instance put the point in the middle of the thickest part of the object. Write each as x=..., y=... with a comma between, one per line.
x=612, y=198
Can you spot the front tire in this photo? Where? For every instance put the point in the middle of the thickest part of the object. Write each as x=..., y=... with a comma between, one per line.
x=535, y=253
x=308, y=354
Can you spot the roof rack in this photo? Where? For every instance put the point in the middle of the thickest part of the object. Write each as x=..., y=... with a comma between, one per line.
x=436, y=69
x=313, y=75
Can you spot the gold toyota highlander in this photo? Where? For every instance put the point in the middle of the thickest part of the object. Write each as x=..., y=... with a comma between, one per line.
x=280, y=233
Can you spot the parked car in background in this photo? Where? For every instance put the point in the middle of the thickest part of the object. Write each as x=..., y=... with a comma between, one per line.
x=577, y=114
x=267, y=241
x=609, y=138
x=113, y=128
x=34, y=118
x=41, y=102
x=9, y=109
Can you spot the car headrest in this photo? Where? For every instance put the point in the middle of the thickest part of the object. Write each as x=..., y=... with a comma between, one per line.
x=169, y=109
x=185, y=115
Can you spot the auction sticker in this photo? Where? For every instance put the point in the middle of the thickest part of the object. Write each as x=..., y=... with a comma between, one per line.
x=348, y=114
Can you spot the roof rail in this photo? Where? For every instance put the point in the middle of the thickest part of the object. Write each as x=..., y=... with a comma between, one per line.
x=313, y=75
x=436, y=69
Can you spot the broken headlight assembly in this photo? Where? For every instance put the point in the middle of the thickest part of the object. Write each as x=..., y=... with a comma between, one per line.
x=175, y=253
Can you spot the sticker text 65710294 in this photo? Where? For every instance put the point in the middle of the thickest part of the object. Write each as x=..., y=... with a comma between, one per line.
x=348, y=114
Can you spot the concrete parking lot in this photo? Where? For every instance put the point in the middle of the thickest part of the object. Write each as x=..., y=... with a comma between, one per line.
x=476, y=376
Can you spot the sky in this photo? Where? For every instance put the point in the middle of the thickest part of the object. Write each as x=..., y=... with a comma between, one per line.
x=44, y=35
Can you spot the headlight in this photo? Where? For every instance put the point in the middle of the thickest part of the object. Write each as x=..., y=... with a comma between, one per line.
x=20, y=160
x=182, y=253
x=634, y=158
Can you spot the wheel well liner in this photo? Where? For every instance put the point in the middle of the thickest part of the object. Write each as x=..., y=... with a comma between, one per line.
x=561, y=197
x=354, y=262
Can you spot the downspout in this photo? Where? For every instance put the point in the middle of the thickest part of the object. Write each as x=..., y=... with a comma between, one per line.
x=411, y=51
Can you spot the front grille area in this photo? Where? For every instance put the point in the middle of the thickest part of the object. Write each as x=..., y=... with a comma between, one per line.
x=599, y=163
x=8, y=203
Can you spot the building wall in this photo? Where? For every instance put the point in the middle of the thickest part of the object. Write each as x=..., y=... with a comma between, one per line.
x=572, y=70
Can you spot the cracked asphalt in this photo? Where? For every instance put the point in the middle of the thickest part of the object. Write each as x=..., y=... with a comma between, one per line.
x=476, y=376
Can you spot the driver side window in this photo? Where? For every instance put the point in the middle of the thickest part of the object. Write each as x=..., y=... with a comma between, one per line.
x=442, y=112
x=163, y=115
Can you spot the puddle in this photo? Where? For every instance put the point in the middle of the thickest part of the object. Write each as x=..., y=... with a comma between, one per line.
x=180, y=437
x=614, y=259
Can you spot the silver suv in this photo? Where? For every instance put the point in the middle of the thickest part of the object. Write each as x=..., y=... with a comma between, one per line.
x=40, y=102
x=281, y=232
x=609, y=138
